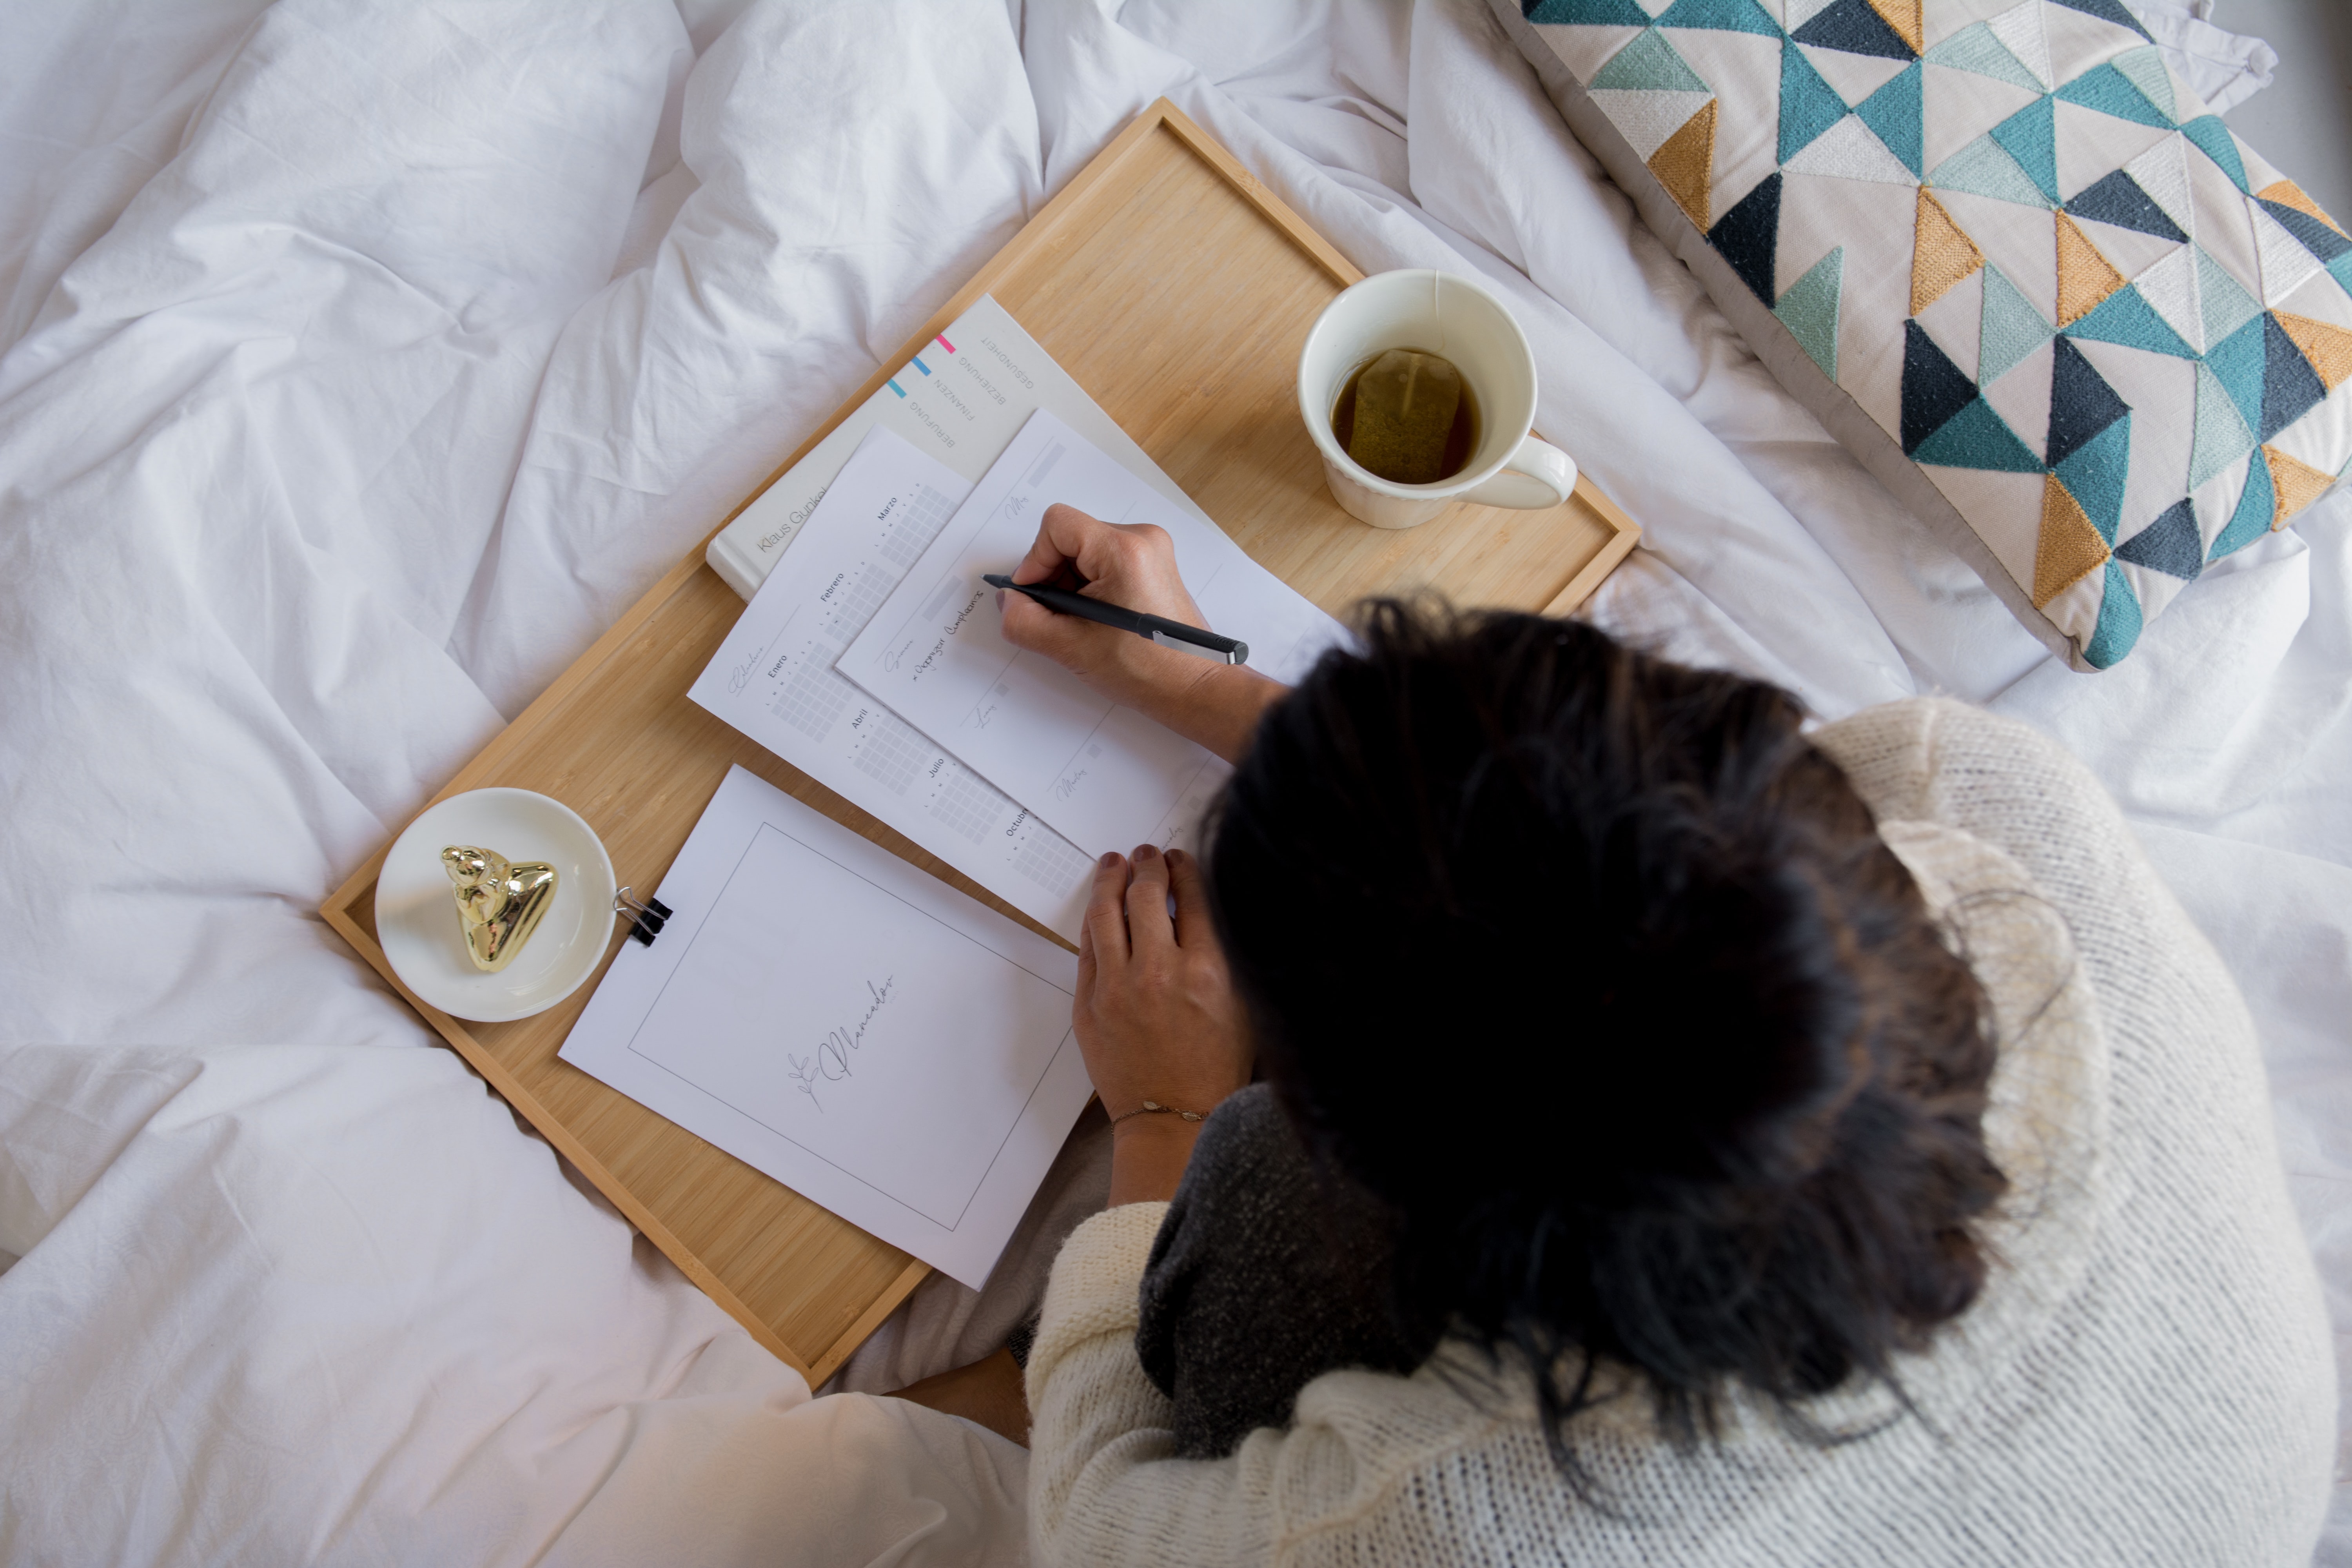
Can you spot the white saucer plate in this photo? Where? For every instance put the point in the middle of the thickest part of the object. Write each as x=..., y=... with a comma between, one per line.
x=416, y=915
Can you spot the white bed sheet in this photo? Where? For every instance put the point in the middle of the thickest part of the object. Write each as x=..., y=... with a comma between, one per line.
x=362, y=362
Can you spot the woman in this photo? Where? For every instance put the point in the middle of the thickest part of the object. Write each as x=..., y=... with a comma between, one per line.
x=1684, y=1140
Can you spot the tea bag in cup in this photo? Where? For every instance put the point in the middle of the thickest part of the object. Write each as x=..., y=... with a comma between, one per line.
x=1405, y=405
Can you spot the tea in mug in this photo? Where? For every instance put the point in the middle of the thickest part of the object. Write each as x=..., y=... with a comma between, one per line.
x=1407, y=417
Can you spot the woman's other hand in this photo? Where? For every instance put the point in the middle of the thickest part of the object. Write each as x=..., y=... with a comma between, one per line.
x=1215, y=705
x=1156, y=1014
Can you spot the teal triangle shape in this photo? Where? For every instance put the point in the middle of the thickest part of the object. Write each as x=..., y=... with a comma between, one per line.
x=2222, y=436
x=1984, y=168
x=1589, y=14
x=1893, y=112
x=1721, y=16
x=2094, y=473
x=2222, y=301
x=2120, y=620
x=2252, y=517
x=2144, y=68
x=2127, y=318
x=2109, y=91
x=1809, y=105
x=1976, y=50
x=2341, y=271
x=1977, y=437
x=1810, y=310
x=2031, y=136
x=2213, y=139
x=2238, y=362
x=1647, y=64
x=2011, y=328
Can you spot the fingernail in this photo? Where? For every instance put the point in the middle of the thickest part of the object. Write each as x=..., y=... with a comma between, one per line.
x=1107, y=861
x=1145, y=851
x=1000, y=601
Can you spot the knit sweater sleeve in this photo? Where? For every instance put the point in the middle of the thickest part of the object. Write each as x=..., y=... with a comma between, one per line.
x=1103, y=1486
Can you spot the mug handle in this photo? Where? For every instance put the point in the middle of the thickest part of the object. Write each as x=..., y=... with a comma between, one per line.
x=1537, y=475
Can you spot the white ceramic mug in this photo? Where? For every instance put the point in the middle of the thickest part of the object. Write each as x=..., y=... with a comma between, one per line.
x=1437, y=313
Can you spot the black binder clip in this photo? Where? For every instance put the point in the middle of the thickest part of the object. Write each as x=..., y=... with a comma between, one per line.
x=646, y=916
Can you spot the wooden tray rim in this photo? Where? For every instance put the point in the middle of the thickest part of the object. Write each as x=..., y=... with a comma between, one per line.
x=1162, y=114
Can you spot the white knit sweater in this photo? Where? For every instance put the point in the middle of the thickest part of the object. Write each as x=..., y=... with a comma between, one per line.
x=2146, y=1378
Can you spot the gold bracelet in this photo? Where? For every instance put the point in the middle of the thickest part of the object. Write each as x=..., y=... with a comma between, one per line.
x=1151, y=1105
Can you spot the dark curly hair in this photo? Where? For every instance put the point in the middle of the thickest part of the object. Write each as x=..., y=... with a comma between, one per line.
x=1596, y=971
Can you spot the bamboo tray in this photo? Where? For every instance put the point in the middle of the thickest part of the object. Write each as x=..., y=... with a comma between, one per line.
x=1178, y=292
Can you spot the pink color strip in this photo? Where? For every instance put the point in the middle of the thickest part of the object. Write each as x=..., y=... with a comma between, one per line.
x=947, y=345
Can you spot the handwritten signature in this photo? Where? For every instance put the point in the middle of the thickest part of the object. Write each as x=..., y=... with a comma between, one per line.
x=830, y=1061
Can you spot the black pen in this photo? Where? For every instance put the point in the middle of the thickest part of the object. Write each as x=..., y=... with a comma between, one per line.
x=1158, y=628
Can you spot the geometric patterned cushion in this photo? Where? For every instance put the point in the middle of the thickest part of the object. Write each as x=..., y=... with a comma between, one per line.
x=2009, y=260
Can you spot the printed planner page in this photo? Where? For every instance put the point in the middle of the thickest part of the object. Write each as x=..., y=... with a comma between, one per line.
x=1105, y=776
x=871, y=1038
x=774, y=681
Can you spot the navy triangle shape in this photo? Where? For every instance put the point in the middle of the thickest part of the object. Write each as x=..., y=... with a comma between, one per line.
x=2171, y=544
x=2290, y=386
x=1748, y=237
x=2317, y=237
x=1934, y=388
x=2106, y=11
x=2081, y=404
x=1852, y=27
x=2118, y=200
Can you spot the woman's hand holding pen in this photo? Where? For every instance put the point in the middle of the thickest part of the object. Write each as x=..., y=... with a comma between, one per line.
x=1214, y=705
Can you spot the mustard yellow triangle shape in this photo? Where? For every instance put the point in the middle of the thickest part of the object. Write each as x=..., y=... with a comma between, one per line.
x=2293, y=486
x=2085, y=276
x=2069, y=548
x=2328, y=347
x=1685, y=164
x=1940, y=254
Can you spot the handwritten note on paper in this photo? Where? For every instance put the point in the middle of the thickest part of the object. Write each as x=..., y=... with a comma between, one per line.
x=773, y=680
x=860, y=1031
x=1104, y=777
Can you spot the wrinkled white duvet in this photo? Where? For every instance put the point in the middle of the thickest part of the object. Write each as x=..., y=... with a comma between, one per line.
x=360, y=362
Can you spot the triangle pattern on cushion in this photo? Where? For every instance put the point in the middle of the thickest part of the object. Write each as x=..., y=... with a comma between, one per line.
x=1748, y=235
x=2222, y=435
x=2120, y=619
x=2162, y=175
x=2224, y=304
x=1977, y=437
x=1984, y=168
x=1975, y=49
x=1685, y=164
x=2238, y=361
x=2171, y=544
x=2081, y=404
x=1720, y=16
x=1941, y=255
x=1809, y=105
x=2106, y=11
x=1934, y=388
x=2293, y=195
x=2020, y=32
x=1647, y=64
x=2290, y=386
x=2031, y=136
x=2085, y=278
x=2144, y=68
x=2012, y=328
x=2325, y=347
x=2296, y=483
x=1905, y=17
x=2118, y=200
x=2285, y=262
x=2257, y=503
x=2068, y=549
x=2125, y=317
x=1587, y=14
x=1810, y=310
x=1893, y=111
x=2213, y=139
x=2110, y=92
x=2170, y=290
x=1848, y=150
x=2317, y=236
x=1854, y=28
x=2096, y=473
x=1647, y=119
